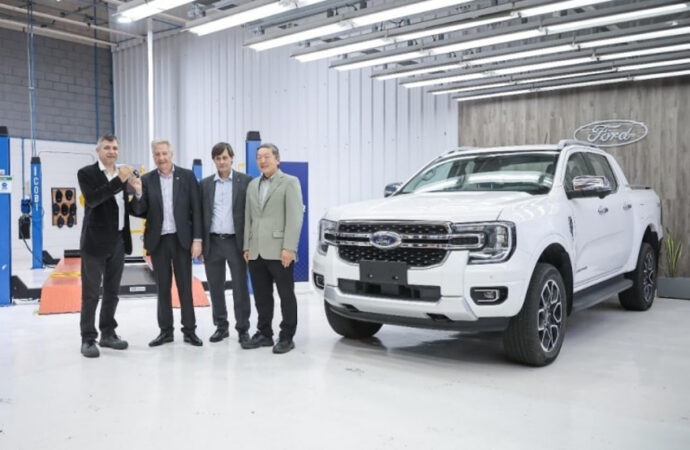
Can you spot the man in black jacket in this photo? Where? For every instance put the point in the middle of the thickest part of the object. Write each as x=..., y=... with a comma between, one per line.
x=105, y=238
x=169, y=200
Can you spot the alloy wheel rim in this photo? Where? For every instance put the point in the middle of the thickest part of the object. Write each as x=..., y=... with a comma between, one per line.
x=648, y=278
x=549, y=316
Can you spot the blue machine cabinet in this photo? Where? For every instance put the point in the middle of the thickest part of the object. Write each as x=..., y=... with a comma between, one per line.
x=6, y=222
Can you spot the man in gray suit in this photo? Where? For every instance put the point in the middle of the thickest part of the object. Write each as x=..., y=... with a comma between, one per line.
x=223, y=197
x=273, y=221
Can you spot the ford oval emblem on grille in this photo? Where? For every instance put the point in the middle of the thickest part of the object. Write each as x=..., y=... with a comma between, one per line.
x=385, y=240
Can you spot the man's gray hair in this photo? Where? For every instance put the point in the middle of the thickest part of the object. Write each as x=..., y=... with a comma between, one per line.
x=108, y=137
x=271, y=147
x=156, y=142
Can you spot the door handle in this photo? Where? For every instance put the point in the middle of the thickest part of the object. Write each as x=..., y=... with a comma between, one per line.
x=603, y=210
x=627, y=206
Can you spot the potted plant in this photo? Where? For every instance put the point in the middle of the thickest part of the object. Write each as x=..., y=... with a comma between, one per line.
x=673, y=286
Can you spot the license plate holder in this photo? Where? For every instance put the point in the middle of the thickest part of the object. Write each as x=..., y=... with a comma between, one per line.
x=384, y=272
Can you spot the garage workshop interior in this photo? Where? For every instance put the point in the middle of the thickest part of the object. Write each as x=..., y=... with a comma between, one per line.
x=344, y=224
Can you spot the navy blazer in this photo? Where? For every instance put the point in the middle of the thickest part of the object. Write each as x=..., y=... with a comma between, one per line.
x=99, y=231
x=186, y=207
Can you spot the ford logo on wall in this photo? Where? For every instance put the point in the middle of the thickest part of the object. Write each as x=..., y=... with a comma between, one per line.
x=611, y=133
x=385, y=240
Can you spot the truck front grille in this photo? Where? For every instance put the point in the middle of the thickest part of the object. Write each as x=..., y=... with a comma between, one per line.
x=414, y=257
x=417, y=228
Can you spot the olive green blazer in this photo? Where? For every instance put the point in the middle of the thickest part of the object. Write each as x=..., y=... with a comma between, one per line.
x=277, y=224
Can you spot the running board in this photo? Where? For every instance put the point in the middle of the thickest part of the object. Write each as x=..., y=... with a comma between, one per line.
x=600, y=292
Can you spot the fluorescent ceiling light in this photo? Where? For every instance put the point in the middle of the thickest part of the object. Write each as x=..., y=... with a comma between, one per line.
x=127, y=13
x=520, y=82
x=615, y=18
x=527, y=34
x=350, y=22
x=647, y=51
x=419, y=71
x=636, y=37
x=384, y=60
x=248, y=15
x=383, y=41
x=651, y=76
x=654, y=76
x=519, y=55
x=547, y=65
x=380, y=42
x=558, y=6
x=672, y=62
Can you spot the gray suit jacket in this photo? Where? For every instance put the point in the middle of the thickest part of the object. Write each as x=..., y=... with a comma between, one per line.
x=240, y=182
x=276, y=225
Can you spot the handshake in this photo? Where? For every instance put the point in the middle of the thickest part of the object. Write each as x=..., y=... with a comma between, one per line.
x=129, y=175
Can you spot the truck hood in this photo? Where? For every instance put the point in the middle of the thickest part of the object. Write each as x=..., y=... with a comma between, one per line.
x=454, y=207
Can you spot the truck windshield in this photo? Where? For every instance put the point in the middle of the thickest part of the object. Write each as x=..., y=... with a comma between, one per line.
x=530, y=172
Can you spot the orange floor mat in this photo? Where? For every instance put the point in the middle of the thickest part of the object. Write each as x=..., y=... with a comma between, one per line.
x=61, y=292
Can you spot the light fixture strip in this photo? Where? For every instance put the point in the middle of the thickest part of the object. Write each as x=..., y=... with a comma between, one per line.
x=355, y=20
x=671, y=32
x=672, y=62
x=249, y=12
x=132, y=13
x=525, y=34
x=315, y=54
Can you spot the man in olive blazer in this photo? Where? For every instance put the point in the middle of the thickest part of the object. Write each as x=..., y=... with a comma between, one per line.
x=273, y=221
x=222, y=204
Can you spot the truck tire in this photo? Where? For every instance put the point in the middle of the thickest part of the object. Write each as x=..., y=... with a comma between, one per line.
x=350, y=328
x=535, y=335
x=641, y=295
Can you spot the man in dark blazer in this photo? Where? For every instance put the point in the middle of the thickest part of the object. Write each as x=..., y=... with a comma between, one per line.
x=273, y=222
x=223, y=197
x=168, y=198
x=105, y=238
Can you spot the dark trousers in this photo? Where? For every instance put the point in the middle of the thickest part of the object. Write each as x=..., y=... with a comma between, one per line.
x=169, y=255
x=264, y=273
x=228, y=251
x=94, y=269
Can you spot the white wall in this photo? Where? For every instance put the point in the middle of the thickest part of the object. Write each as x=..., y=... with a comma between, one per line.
x=357, y=134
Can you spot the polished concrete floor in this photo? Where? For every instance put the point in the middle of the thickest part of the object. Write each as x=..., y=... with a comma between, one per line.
x=622, y=381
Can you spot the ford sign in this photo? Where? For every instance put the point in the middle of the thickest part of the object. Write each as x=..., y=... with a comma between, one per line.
x=385, y=240
x=611, y=133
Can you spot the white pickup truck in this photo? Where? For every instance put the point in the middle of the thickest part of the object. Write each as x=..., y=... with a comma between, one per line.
x=509, y=239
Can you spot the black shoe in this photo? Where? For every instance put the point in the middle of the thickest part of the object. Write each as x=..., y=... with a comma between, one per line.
x=89, y=349
x=219, y=335
x=283, y=346
x=258, y=340
x=113, y=341
x=244, y=338
x=161, y=339
x=192, y=338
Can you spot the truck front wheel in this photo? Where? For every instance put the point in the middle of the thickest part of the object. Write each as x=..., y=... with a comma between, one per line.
x=641, y=295
x=535, y=335
x=350, y=328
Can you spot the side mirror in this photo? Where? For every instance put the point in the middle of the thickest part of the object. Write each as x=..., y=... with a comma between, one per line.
x=391, y=188
x=590, y=186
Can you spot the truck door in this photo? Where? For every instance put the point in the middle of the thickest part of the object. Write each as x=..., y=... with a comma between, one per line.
x=592, y=228
x=619, y=217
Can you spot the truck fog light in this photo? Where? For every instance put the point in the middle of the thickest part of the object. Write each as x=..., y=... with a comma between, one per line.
x=318, y=281
x=489, y=295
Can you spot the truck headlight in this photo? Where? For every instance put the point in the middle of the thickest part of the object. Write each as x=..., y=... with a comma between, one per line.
x=499, y=241
x=327, y=229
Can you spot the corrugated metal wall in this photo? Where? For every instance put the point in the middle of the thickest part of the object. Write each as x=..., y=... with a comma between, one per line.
x=356, y=133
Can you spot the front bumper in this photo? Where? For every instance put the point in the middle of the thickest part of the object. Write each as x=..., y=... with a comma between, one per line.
x=454, y=277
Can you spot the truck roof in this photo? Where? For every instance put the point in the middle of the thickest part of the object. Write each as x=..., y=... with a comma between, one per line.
x=562, y=144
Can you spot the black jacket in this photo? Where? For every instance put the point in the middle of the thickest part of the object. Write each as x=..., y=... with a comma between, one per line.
x=99, y=231
x=186, y=207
